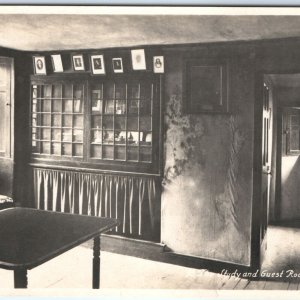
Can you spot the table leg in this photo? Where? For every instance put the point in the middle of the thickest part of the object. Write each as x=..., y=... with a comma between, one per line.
x=96, y=263
x=20, y=279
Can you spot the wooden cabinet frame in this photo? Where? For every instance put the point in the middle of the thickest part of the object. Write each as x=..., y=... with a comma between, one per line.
x=141, y=162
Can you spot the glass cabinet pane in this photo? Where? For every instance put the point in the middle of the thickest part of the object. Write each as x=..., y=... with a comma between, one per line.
x=78, y=121
x=120, y=91
x=45, y=147
x=77, y=135
x=145, y=124
x=120, y=123
x=67, y=105
x=132, y=137
x=125, y=129
x=109, y=91
x=96, y=151
x=146, y=138
x=108, y=137
x=67, y=149
x=56, y=105
x=78, y=150
x=109, y=106
x=96, y=122
x=56, y=134
x=96, y=136
x=67, y=120
x=134, y=91
x=132, y=123
x=67, y=135
x=108, y=122
x=145, y=108
x=57, y=91
x=56, y=148
x=146, y=154
x=120, y=152
x=46, y=120
x=68, y=90
x=97, y=98
x=108, y=152
x=46, y=91
x=120, y=137
x=46, y=106
x=132, y=153
x=57, y=119
x=120, y=107
x=133, y=106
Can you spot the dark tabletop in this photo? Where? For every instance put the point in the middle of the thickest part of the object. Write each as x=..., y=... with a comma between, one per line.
x=29, y=237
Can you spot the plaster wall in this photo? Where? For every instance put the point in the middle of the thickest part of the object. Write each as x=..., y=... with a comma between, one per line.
x=207, y=187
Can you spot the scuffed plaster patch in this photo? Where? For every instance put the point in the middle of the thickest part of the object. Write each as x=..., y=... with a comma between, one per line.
x=183, y=137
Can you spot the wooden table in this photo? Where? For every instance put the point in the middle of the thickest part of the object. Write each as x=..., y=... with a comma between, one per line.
x=30, y=237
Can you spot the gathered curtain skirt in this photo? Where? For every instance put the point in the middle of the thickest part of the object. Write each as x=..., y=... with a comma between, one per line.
x=133, y=200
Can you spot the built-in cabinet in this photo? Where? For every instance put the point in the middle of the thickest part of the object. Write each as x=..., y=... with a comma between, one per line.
x=95, y=148
x=97, y=121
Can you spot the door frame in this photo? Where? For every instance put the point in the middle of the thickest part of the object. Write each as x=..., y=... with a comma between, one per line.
x=256, y=219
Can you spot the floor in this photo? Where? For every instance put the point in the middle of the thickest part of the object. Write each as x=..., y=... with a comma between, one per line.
x=74, y=269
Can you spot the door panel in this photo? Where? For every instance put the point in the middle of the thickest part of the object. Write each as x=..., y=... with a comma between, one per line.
x=266, y=169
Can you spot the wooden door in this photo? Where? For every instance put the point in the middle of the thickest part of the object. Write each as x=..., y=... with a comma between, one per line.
x=6, y=125
x=266, y=170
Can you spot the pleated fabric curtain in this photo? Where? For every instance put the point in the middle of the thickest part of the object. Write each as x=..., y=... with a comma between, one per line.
x=134, y=200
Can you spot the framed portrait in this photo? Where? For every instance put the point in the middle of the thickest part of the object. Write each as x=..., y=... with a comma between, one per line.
x=158, y=64
x=57, y=63
x=78, y=63
x=117, y=65
x=205, y=86
x=39, y=65
x=138, y=59
x=97, y=62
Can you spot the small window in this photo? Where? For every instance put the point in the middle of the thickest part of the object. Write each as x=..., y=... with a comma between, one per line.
x=292, y=130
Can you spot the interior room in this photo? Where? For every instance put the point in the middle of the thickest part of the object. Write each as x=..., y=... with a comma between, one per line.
x=179, y=131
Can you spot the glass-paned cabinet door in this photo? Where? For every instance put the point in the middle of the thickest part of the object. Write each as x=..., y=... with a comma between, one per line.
x=122, y=120
x=57, y=119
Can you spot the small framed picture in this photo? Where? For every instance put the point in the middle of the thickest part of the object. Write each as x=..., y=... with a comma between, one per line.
x=78, y=63
x=98, y=66
x=138, y=59
x=39, y=65
x=57, y=63
x=158, y=64
x=117, y=65
x=211, y=96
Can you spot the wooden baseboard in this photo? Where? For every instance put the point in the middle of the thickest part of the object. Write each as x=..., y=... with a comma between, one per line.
x=159, y=252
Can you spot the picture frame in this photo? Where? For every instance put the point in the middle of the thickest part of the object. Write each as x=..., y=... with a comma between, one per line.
x=138, y=59
x=97, y=63
x=96, y=101
x=39, y=65
x=117, y=65
x=96, y=105
x=158, y=64
x=78, y=62
x=205, y=86
x=57, y=64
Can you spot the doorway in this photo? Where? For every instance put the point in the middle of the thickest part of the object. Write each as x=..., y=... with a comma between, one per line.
x=280, y=174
